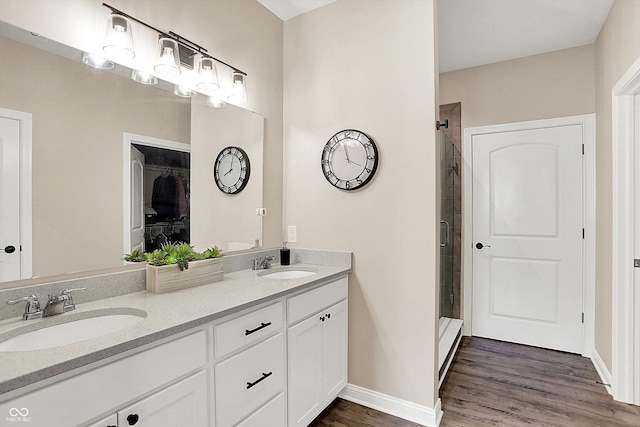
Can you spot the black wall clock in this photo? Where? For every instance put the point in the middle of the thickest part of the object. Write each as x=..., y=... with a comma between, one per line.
x=349, y=159
x=232, y=170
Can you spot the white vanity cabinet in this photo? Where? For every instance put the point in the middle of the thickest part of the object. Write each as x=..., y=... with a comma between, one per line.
x=317, y=350
x=77, y=400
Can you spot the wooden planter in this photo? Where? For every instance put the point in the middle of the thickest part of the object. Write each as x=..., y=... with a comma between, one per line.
x=167, y=278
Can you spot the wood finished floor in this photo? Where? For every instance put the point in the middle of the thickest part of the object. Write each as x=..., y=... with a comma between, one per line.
x=493, y=383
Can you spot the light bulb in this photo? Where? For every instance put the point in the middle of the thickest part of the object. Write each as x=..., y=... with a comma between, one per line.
x=169, y=64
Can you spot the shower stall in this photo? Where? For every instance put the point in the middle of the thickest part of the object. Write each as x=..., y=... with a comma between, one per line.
x=450, y=234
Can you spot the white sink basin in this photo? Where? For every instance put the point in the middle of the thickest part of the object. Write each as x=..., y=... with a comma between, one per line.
x=287, y=273
x=69, y=328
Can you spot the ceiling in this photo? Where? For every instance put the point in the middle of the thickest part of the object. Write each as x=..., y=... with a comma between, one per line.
x=478, y=32
x=287, y=9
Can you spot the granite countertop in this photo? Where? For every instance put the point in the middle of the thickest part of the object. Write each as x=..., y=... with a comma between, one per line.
x=167, y=314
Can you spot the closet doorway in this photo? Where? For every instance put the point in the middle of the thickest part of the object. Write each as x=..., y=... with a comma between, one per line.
x=157, y=192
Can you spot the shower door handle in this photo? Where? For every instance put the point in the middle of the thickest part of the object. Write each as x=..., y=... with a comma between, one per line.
x=447, y=235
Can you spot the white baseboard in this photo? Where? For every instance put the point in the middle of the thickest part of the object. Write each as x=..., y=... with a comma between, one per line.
x=605, y=375
x=410, y=411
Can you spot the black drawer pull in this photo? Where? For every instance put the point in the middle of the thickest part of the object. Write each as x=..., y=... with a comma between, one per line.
x=262, y=326
x=262, y=378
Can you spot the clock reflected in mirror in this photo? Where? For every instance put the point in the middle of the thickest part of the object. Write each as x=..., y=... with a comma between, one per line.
x=349, y=159
x=232, y=170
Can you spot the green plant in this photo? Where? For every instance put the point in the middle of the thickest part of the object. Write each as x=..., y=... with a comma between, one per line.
x=174, y=253
x=135, y=256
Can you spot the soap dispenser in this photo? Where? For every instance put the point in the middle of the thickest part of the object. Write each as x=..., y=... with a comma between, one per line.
x=285, y=253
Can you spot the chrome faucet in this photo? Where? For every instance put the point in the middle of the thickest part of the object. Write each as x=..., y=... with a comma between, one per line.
x=258, y=264
x=56, y=304
x=32, y=309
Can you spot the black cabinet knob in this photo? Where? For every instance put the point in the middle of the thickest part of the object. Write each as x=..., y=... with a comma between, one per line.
x=132, y=419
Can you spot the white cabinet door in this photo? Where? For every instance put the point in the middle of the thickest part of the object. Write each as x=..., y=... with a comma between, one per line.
x=110, y=421
x=305, y=371
x=183, y=404
x=334, y=351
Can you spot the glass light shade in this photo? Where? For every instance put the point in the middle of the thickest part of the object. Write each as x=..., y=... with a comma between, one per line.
x=144, y=78
x=97, y=61
x=208, y=75
x=169, y=64
x=118, y=40
x=214, y=102
x=184, y=91
x=239, y=88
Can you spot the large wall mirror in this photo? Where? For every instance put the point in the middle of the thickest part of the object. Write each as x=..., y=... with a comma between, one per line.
x=81, y=118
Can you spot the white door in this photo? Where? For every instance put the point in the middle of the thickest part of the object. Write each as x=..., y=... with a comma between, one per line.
x=9, y=199
x=527, y=237
x=137, y=199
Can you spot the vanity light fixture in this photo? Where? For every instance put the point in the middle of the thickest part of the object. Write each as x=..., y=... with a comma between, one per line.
x=118, y=40
x=169, y=64
x=184, y=91
x=207, y=75
x=239, y=88
x=97, y=61
x=144, y=78
x=175, y=51
x=215, y=102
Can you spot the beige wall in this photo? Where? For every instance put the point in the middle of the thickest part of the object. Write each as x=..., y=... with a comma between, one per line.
x=218, y=218
x=242, y=33
x=79, y=116
x=617, y=47
x=370, y=66
x=549, y=85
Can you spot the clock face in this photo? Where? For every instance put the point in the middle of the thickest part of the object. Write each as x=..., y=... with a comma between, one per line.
x=231, y=170
x=349, y=159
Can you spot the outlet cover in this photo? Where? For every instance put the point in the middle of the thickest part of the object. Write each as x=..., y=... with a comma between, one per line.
x=292, y=234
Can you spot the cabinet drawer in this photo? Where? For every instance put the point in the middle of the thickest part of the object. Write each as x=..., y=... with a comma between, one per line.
x=272, y=414
x=248, y=380
x=247, y=329
x=305, y=304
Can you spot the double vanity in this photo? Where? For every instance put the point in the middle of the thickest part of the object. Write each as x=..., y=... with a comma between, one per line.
x=260, y=348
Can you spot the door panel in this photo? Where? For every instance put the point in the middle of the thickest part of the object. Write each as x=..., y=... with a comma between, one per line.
x=527, y=212
x=9, y=198
x=137, y=199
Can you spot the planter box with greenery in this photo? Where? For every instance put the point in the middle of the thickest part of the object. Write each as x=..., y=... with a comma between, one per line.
x=178, y=266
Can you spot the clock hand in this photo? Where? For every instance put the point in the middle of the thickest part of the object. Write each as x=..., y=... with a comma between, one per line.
x=230, y=168
x=346, y=153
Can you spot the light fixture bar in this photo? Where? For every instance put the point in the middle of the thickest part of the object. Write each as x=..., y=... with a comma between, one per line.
x=178, y=38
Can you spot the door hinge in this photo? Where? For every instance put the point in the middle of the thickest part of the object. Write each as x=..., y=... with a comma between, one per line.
x=583, y=233
x=582, y=317
x=583, y=149
x=636, y=263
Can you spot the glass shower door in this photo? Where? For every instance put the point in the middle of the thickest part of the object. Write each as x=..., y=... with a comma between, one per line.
x=447, y=173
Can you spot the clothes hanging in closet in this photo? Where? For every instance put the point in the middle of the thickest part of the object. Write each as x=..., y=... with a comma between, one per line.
x=168, y=198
